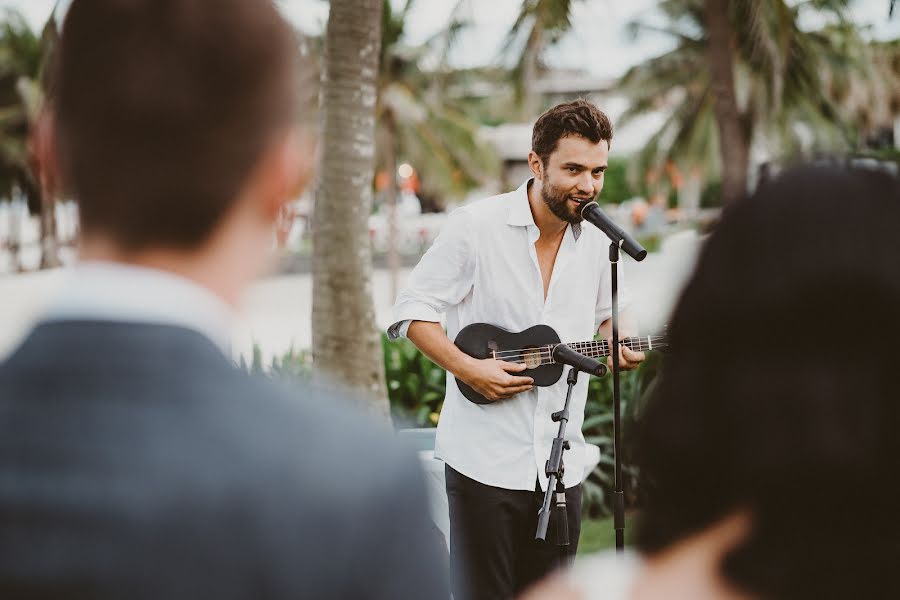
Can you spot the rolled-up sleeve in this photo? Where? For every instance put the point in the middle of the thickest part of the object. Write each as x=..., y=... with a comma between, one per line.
x=442, y=278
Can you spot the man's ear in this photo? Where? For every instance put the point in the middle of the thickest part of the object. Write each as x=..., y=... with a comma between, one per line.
x=536, y=165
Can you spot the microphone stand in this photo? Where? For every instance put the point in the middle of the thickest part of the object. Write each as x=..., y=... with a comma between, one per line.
x=592, y=213
x=555, y=470
x=618, y=493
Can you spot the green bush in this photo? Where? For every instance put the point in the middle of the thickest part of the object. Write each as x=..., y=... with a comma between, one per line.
x=293, y=364
x=616, y=188
x=415, y=384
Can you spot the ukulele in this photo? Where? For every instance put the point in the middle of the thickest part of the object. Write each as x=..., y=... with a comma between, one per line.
x=534, y=347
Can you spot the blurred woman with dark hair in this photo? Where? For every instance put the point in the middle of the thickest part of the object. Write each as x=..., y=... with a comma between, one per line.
x=770, y=452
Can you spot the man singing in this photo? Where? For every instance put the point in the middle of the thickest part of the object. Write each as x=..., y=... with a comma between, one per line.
x=515, y=260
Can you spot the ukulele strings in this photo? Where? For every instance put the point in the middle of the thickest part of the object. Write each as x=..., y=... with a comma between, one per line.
x=590, y=349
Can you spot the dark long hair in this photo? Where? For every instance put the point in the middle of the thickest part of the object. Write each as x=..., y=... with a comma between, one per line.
x=781, y=395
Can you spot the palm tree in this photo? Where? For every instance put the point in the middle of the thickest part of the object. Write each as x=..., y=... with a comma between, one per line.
x=735, y=149
x=23, y=59
x=743, y=75
x=541, y=23
x=417, y=122
x=346, y=344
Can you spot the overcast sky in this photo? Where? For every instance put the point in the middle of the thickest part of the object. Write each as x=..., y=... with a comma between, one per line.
x=598, y=43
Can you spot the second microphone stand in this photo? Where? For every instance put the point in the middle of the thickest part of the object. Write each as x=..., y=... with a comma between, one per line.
x=555, y=470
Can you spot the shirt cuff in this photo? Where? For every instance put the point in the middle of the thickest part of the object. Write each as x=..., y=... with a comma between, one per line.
x=398, y=329
x=406, y=314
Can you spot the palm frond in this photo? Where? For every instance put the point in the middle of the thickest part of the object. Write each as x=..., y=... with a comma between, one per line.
x=426, y=128
x=786, y=80
x=636, y=29
x=538, y=25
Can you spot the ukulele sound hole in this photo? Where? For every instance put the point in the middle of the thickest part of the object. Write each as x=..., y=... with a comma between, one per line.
x=532, y=358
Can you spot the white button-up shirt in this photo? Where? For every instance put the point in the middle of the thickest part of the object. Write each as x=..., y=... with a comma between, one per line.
x=483, y=268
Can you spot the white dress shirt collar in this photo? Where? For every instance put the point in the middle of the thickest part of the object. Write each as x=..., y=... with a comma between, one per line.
x=109, y=291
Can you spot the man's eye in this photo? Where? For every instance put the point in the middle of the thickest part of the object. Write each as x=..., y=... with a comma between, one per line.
x=573, y=170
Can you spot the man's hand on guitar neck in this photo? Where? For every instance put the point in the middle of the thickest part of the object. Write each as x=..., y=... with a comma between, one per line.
x=628, y=358
x=492, y=378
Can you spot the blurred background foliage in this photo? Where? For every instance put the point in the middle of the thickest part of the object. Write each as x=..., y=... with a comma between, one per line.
x=806, y=80
x=25, y=57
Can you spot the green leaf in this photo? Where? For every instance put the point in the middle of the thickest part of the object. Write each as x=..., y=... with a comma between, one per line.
x=597, y=420
x=599, y=440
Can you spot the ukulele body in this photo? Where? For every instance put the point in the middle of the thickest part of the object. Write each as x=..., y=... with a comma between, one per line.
x=481, y=340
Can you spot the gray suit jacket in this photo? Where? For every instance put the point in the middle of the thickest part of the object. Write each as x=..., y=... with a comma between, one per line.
x=137, y=462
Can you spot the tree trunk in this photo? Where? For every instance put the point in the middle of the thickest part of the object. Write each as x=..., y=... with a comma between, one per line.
x=346, y=342
x=531, y=98
x=14, y=236
x=49, y=240
x=733, y=145
x=40, y=184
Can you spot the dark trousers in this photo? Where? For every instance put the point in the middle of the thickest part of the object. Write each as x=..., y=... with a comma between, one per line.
x=493, y=553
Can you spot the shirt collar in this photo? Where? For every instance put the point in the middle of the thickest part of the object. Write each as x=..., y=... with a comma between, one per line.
x=519, y=209
x=519, y=213
x=109, y=291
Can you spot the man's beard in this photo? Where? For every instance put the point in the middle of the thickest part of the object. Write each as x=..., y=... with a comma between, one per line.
x=558, y=203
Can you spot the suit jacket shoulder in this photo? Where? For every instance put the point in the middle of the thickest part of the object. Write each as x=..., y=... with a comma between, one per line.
x=154, y=468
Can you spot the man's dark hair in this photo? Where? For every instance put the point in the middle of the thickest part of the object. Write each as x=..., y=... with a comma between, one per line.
x=163, y=107
x=578, y=117
x=780, y=396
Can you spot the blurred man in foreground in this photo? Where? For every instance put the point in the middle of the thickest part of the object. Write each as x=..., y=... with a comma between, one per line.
x=135, y=460
x=768, y=454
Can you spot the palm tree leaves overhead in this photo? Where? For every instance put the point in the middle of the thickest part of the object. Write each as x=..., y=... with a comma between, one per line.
x=21, y=58
x=782, y=58
x=539, y=25
x=24, y=60
x=418, y=122
x=664, y=80
x=783, y=76
x=864, y=83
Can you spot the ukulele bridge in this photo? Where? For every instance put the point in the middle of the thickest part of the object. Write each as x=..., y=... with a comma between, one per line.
x=532, y=357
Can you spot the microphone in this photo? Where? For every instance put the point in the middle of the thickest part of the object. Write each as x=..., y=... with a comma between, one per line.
x=593, y=214
x=566, y=356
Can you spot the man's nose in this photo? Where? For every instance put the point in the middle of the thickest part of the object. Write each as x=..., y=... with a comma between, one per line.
x=586, y=183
